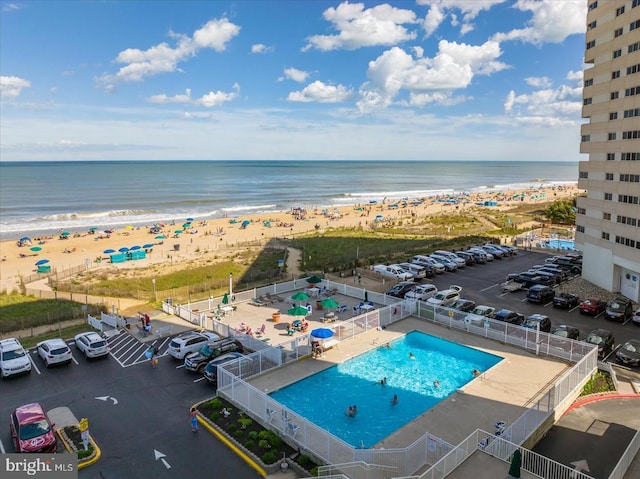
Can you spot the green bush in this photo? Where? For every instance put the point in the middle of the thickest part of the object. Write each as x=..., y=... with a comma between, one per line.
x=249, y=444
x=238, y=434
x=264, y=444
x=214, y=416
x=303, y=460
x=82, y=453
x=214, y=403
x=253, y=435
x=244, y=422
x=269, y=457
x=271, y=437
x=232, y=428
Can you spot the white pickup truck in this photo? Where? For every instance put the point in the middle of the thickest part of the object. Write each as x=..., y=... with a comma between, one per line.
x=393, y=271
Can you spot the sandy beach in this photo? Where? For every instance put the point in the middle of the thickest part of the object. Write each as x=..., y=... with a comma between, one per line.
x=205, y=237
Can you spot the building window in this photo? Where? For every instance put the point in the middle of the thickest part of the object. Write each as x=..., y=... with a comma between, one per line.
x=587, y=101
x=613, y=115
x=615, y=74
x=605, y=236
x=625, y=220
x=580, y=228
x=628, y=178
x=608, y=196
x=627, y=242
x=614, y=95
x=633, y=47
x=588, y=82
x=632, y=91
x=630, y=199
x=586, y=138
x=591, y=44
x=633, y=69
x=617, y=53
x=592, y=25
x=634, y=25
x=606, y=216
x=584, y=174
x=635, y=3
x=631, y=135
x=581, y=211
x=611, y=156
x=632, y=113
x=630, y=156
x=612, y=136
x=617, y=32
x=619, y=11
x=593, y=5
x=609, y=177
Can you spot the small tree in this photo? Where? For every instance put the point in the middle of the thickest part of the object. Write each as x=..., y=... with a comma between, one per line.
x=562, y=212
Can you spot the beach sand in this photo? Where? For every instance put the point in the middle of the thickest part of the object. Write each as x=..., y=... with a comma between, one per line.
x=210, y=237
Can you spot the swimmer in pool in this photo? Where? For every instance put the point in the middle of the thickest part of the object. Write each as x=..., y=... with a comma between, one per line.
x=436, y=384
x=411, y=356
x=395, y=400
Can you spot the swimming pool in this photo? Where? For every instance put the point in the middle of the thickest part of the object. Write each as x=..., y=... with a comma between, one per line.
x=324, y=397
x=560, y=244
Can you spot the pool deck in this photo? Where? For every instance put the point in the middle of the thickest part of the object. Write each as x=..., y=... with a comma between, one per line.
x=494, y=396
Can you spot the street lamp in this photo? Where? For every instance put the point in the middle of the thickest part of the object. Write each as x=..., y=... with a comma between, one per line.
x=231, y=287
x=153, y=281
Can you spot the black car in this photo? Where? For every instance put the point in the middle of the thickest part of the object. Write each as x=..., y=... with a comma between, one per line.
x=629, y=353
x=508, y=316
x=569, y=264
x=566, y=331
x=400, y=289
x=566, y=301
x=539, y=293
x=538, y=320
x=603, y=339
x=464, y=305
x=619, y=309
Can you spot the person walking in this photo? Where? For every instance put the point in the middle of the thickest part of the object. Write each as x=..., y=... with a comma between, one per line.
x=154, y=356
x=194, y=420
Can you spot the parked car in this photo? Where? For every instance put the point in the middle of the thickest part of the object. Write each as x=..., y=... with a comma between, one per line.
x=629, y=353
x=393, y=271
x=603, y=339
x=480, y=256
x=13, y=358
x=536, y=320
x=190, y=342
x=569, y=263
x=198, y=361
x=566, y=331
x=529, y=279
x=452, y=257
x=427, y=261
x=31, y=430
x=91, y=344
x=464, y=305
x=468, y=257
x=495, y=252
x=636, y=317
x=479, y=314
x=417, y=270
x=592, y=306
x=619, y=309
x=422, y=292
x=448, y=264
x=566, y=301
x=211, y=370
x=539, y=293
x=445, y=297
x=400, y=289
x=508, y=316
x=54, y=351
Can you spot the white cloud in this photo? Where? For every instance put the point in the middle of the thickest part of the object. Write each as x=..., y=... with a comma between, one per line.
x=163, y=58
x=547, y=103
x=359, y=27
x=295, y=75
x=452, y=68
x=12, y=7
x=321, y=93
x=538, y=82
x=575, y=75
x=261, y=48
x=439, y=9
x=11, y=87
x=209, y=100
x=552, y=21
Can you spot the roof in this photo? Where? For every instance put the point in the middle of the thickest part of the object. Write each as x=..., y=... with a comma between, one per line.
x=29, y=412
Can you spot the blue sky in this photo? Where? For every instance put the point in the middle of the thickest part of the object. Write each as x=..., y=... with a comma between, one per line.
x=300, y=80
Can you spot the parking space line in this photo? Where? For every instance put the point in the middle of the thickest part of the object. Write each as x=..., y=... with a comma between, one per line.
x=2, y=449
x=201, y=378
x=33, y=363
x=490, y=287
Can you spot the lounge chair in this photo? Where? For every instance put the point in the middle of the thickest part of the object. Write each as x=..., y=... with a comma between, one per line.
x=257, y=302
x=274, y=298
x=342, y=308
x=262, y=330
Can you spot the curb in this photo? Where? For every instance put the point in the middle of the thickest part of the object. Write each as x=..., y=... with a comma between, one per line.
x=599, y=397
x=97, y=453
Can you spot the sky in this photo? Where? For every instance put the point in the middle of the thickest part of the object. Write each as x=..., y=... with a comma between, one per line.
x=291, y=80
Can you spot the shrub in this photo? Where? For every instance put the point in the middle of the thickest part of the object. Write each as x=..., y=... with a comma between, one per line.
x=82, y=453
x=303, y=460
x=249, y=443
x=214, y=416
x=239, y=433
x=232, y=428
x=244, y=422
x=271, y=437
x=253, y=435
x=269, y=457
x=214, y=403
x=264, y=444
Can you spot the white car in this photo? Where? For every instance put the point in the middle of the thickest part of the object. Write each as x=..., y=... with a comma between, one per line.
x=190, y=342
x=479, y=314
x=92, y=345
x=636, y=317
x=13, y=358
x=448, y=264
x=422, y=292
x=54, y=351
x=446, y=297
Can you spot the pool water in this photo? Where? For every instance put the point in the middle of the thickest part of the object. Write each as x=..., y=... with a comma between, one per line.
x=324, y=397
x=560, y=244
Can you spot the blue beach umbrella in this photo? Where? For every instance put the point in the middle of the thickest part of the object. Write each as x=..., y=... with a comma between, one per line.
x=148, y=245
x=25, y=238
x=41, y=262
x=322, y=333
x=109, y=251
x=134, y=248
x=189, y=219
x=124, y=249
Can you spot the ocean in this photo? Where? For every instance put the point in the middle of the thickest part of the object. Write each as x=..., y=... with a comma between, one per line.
x=38, y=198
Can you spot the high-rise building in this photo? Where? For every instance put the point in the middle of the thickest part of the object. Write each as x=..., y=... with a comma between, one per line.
x=608, y=218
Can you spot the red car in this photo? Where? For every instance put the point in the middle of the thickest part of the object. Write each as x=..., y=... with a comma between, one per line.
x=592, y=306
x=31, y=430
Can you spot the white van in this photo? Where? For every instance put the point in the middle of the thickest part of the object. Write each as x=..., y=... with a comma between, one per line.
x=452, y=257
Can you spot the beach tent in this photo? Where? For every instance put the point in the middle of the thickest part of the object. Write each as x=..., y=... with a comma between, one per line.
x=245, y=223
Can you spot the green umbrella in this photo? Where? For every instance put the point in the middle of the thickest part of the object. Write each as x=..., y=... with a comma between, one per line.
x=178, y=232
x=35, y=248
x=225, y=299
x=160, y=237
x=314, y=279
x=329, y=303
x=298, y=311
x=516, y=462
x=300, y=296
x=65, y=233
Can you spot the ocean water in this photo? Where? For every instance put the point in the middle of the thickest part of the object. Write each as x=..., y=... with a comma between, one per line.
x=43, y=197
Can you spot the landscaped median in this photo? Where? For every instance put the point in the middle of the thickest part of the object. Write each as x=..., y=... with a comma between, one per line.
x=71, y=437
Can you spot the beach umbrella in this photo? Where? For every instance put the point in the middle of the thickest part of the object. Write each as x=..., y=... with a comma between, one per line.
x=94, y=228
x=189, y=219
x=35, y=248
x=186, y=225
x=41, y=262
x=25, y=238
x=179, y=232
x=516, y=462
x=329, y=303
x=124, y=249
x=129, y=227
x=134, y=248
x=225, y=299
x=298, y=311
x=65, y=233
x=322, y=333
x=161, y=237
x=245, y=223
x=109, y=251
x=314, y=279
x=148, y=245
x=233, y=222
x=300, y=296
